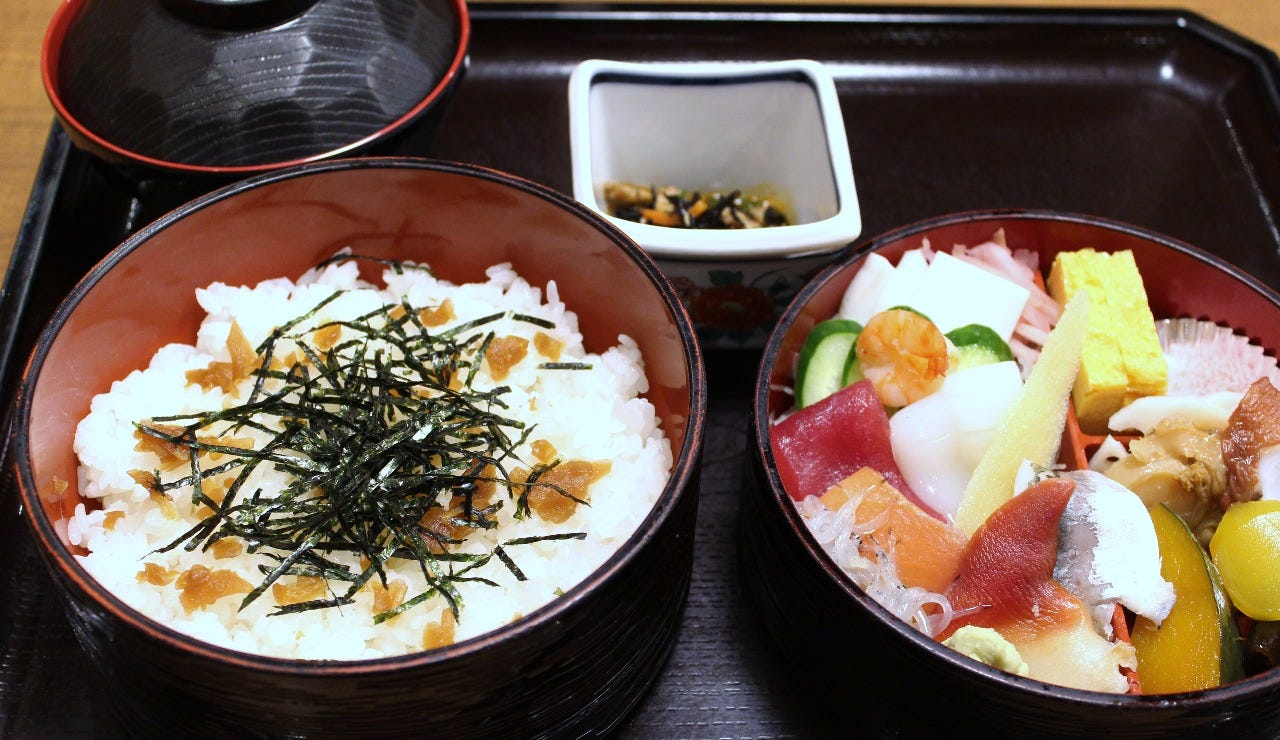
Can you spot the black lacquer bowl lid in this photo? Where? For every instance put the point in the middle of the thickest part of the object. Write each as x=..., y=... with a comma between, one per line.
x=241, y=86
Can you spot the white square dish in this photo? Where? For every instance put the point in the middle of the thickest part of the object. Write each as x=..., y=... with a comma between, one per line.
x=771, y=129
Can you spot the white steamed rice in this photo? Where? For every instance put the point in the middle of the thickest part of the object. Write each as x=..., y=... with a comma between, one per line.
x=594, y=414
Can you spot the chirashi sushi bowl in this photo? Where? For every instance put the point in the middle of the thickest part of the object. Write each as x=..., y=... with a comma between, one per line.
x=1018, y=467
x=365, y=446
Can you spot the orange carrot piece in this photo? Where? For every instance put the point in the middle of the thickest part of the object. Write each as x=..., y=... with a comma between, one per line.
x=660, y=218
x=1120, y=628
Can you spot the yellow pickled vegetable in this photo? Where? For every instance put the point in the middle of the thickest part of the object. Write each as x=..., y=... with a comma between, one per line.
x=1197, y=645
x=1033, y=427
x=1246, y=549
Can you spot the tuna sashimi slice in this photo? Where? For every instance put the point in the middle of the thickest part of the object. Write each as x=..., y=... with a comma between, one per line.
x=822, y=444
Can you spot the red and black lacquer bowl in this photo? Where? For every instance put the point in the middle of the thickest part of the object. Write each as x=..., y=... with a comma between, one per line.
x=575, y=666
x=881, y=676
x=228, y=88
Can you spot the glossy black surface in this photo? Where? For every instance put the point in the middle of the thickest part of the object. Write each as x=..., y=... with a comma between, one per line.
x=248, y=84
x=1155, y=118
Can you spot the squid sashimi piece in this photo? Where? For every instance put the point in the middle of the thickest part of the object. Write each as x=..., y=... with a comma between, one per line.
x=939, y=440
x=822, y=444
x=1251, y=436
x=951, y=292
x=1210, y=411
x=1006, y=583
x=925, y=551
x=863, y=294
x=902, y=287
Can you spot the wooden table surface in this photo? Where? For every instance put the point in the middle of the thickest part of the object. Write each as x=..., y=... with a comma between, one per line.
x=25, y=114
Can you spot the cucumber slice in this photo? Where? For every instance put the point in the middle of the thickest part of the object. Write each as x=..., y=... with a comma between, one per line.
x=908, y=308
x=978, y=345
x=820, y=369
x=852, y=368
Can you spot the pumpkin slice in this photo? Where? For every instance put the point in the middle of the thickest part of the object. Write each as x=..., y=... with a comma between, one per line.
x=1197, y=646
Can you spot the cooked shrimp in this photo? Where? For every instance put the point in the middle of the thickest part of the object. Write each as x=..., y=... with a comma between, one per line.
x=903, y=354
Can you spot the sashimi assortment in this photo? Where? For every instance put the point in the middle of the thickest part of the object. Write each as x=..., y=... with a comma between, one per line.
x=1030, y=467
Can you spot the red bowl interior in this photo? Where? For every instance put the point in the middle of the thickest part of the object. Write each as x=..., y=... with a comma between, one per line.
x=456, y=218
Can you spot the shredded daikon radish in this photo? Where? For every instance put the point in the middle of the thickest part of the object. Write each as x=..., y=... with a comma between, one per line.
x=839, y=533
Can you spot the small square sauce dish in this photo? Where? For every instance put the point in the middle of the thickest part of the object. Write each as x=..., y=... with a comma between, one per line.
x=772, y=131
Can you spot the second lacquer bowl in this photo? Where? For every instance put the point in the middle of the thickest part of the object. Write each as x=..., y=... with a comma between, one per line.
x=879, y=674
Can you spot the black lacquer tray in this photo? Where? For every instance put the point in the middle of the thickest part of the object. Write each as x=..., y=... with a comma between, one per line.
x=1157, y=118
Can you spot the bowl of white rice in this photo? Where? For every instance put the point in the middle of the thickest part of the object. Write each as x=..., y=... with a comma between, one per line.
x=376, y=447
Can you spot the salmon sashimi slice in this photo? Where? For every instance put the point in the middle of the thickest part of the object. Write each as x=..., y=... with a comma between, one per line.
x=926, y=551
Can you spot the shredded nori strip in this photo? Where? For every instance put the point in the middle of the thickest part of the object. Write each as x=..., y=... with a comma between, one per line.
x=374, y=432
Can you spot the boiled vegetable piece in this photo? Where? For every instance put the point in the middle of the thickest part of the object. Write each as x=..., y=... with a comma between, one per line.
x=1262, y=647
x=1197, y=645
x=925, y=551
x=1246, y=551
x=820, y=368
x=978, y=345
x=1033, y=427
x=820, y=445
x=1006, y=583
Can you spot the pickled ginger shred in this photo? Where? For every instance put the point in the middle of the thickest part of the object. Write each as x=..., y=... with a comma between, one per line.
x=839, y=531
